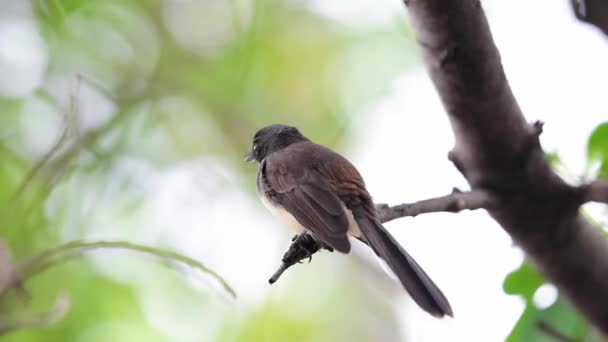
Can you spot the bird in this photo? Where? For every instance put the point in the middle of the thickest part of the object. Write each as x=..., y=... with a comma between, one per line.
x=317, y=192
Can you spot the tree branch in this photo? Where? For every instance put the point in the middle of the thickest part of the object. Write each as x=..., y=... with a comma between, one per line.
x=596, y=191
x=594, y=12
x=499, y=152
x=453, y=203
x=302, y=249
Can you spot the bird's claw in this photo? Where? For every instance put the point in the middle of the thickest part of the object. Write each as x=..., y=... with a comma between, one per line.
x=301, y=241
x=309, y=259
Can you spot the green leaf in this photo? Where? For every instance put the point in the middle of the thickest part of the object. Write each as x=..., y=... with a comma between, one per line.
x=96, y=304
x=597, y=146
x=553, y=159
x=30, y=321
x=560, y=318
x=523, y=281
x=537, y=324
x=603, y=172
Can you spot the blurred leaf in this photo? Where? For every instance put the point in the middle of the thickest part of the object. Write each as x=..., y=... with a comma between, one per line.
x=597, y=148
x=7, y=267
x=553, y=159
x=125, y=50
x=96, y=301
x=22, y=222
x=326, y=310
x=560, y=317
x=523, y=281
x=30, y=321
x=174, y=100
x=533, y=324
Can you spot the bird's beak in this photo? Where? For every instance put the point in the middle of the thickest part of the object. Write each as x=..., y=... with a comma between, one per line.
x=249, y=157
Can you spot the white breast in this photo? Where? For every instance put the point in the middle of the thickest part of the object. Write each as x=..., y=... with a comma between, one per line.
x=286, y=218
x=283, y=215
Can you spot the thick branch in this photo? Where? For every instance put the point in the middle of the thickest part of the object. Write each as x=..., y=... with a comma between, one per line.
x=594, y=12
x=499, y=152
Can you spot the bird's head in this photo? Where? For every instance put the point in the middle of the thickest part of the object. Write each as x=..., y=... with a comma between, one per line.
x=271, y=139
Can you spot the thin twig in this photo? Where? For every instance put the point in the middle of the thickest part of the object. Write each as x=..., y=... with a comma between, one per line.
x=71, y=250
x=453, y=203
x=40, y=164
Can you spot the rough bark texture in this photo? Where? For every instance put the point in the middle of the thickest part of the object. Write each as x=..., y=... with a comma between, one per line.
x=594, y=12
x=499, y=152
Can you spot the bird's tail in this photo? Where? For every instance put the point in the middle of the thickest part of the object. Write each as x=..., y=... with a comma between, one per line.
x=417, y=283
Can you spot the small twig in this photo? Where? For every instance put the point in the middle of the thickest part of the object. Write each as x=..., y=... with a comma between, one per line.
x=300, y=249
x=552, y=332
x=596, y=191
x=41, y=164
x=56, y=256
x=279, y=272
x=454, y=202
x=9, y=275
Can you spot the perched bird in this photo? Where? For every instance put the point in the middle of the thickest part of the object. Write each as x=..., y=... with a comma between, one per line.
x=316, y=191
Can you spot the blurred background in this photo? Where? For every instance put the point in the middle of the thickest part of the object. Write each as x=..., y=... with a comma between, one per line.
x=127, y=121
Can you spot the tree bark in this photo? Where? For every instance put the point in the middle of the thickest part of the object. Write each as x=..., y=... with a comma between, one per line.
x=499, y=153
x=594, y=12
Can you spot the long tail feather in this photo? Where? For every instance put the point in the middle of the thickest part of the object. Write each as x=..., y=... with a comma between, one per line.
x=417, y=283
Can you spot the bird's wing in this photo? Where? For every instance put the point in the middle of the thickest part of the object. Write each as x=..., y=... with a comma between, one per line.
x=309, y=198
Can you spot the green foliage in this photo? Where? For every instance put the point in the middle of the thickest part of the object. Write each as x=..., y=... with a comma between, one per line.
x=340, y=315
x=553, y=159
x=537, y=324
x=597, y=148
x=195, y=87
x=95, y=301
x=524, y=282
x=559, y=317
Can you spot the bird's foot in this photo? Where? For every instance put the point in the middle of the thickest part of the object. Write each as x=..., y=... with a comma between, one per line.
x=326, y=247
x=303, y=246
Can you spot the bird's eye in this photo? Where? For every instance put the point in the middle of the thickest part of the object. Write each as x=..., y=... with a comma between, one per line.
x=255, y=147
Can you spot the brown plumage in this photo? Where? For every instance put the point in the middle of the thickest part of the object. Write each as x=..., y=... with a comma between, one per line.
x=317, y=191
